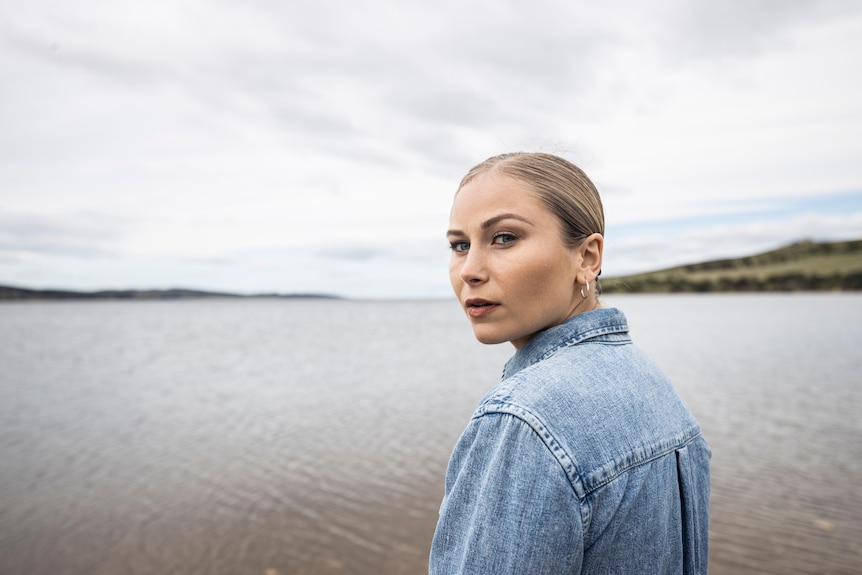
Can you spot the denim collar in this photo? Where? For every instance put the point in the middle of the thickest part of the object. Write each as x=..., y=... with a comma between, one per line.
x=574, y=330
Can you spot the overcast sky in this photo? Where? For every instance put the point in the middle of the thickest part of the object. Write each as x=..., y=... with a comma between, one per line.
x=283, y=146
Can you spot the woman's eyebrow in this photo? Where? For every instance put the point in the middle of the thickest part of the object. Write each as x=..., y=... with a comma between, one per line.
x=497, y=219
x=492, y=221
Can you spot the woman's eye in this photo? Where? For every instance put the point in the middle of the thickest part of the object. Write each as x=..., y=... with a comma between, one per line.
x=504, y=239
x=459, y=246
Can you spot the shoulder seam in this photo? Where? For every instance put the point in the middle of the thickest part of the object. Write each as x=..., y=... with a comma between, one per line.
x=539, y=427
x=566, y=461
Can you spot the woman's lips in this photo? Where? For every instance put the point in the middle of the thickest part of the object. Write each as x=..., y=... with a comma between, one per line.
x=480, y=307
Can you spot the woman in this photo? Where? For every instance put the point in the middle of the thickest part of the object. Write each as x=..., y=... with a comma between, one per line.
x=583, y=459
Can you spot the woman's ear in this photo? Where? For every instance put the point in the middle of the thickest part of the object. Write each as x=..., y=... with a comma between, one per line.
x=590, y=252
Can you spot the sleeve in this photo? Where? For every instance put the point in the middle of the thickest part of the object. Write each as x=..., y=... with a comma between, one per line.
x=509, y=507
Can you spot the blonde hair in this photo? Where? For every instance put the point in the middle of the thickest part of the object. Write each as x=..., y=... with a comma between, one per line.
x=562, y=186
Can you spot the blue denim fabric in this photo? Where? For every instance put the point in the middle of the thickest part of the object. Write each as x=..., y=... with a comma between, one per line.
x=583, y=460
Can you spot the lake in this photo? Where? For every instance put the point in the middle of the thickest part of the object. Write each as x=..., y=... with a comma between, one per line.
x=311, y=436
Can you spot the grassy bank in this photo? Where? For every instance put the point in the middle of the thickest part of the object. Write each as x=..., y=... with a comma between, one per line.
x=803, y=266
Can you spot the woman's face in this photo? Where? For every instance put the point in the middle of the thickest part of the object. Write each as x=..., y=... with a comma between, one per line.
x=509, y=267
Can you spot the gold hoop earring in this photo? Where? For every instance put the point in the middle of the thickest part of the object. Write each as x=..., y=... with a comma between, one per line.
x=585, y=295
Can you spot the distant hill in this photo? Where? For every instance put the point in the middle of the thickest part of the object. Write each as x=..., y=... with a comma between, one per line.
x=9, y=293
x=802, y=266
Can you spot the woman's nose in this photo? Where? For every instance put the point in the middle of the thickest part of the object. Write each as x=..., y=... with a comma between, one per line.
x=474, y=269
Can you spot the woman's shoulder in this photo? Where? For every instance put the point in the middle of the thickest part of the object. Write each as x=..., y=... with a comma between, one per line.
x=593, y=412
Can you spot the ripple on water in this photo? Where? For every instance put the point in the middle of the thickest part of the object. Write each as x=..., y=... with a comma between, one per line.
x=312, y=437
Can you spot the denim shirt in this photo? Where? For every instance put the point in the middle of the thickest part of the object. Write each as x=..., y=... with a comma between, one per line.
x=583, y=460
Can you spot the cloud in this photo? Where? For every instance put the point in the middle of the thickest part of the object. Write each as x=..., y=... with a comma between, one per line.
x=698, y=31
x=331, y=135
x=84, y=235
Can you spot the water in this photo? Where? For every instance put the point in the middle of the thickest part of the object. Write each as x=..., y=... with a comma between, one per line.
x=283, y=436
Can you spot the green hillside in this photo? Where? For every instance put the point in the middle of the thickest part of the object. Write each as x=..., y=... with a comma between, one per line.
x=803, y=266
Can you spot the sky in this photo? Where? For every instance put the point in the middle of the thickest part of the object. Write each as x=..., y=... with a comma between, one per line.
x=315, y=147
